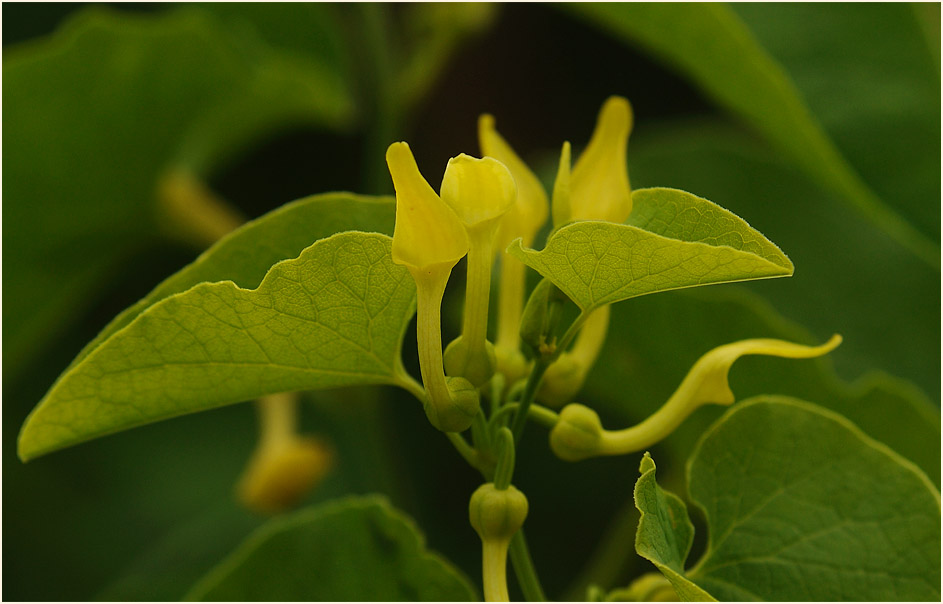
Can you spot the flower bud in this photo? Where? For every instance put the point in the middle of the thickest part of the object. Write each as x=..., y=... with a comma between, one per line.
x=496, y=514
x=463, y=360
x=578, y=433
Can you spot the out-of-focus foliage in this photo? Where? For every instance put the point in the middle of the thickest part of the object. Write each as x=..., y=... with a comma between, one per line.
x=352, y=549
x=98, y=113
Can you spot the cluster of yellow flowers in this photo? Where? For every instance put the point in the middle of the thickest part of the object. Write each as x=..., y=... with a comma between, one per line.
x=485, y=204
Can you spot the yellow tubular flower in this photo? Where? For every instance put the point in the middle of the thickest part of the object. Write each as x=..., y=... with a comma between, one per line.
x=285, y=465
x=561, y=188
x=599, y=185
x=531, y=210
x=524, y=219
x=579, y=434
x=427, y=232
x=480, y=191
x=429, y=240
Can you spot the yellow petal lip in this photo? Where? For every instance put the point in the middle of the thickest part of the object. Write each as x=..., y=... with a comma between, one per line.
x=427, y=231
x=478, y=190
x=532, y=208
x=599, y=185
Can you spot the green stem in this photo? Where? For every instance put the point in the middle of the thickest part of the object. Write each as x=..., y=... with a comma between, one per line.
x=504, y=470
x=540, y=414
x=477, y=287
x=430, y=286
x=479, y=429
x=524, y=569
x=571, y=332
x=494, y=570
x=527, y=397
x=464, y=449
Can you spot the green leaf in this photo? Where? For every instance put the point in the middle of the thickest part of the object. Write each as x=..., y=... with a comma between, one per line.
x=353, y=549
x=715, y=49
x=880, y=56
x=95, y=115
x=334, y=316
x=801, y=505
x=665, y=532
x=246, y=254
x=671, y=240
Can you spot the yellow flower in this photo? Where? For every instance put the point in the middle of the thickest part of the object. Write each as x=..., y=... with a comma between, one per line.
x=530, y=212
x=427, y=231
x=579, y=434
x=478, y=190
x=429, y=240
x=599, y=184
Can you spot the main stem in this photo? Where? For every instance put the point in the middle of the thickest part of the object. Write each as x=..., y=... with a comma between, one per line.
x=527, y=397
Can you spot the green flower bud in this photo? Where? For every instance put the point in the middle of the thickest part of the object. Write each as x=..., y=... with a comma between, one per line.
x=465, y=361
x=578, y=433
x=497, y=515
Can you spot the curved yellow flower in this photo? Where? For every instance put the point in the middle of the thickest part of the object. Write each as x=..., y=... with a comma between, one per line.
x=429, y=239
x=427, y=232
x=599, y=184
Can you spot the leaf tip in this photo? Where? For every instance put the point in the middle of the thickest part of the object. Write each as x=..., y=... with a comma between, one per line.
x=647, y=464
x=515, y=248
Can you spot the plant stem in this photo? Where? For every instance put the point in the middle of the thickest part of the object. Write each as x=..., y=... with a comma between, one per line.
x=494, y=570
x=278, y=416
x=429, y=290
x=527, y=397
x=464, y=449
x=477, y=287
x=524, y=569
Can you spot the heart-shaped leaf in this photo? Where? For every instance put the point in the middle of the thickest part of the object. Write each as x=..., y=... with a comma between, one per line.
x=247, y=253
x=672, y=240
x=334, y=316
x=801, y=505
